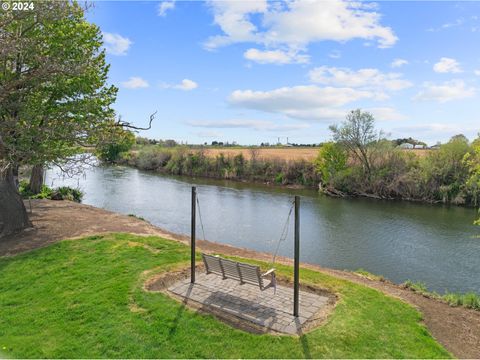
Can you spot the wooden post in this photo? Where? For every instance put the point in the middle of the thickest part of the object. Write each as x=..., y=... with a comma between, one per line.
x=296, y=267
x=192, y=239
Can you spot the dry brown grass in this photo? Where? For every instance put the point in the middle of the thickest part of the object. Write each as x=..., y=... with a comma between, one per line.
x=288, y=154
x=420, y=152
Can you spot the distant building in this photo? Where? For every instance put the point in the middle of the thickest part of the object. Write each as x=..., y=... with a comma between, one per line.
x=405, y=146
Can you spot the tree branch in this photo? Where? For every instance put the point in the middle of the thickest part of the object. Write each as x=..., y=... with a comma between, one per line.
x=128, y=125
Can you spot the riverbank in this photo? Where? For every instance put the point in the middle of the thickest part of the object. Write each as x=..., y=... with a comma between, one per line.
x=225, y=166
x=458, y=329
x=448, y=175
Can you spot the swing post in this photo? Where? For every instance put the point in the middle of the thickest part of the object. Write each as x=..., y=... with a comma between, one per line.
x=192, y=239
x=296, y=267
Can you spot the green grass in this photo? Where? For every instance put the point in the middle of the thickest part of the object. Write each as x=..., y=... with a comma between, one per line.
x=469, y=300
x=84, y=298
x=369, y=275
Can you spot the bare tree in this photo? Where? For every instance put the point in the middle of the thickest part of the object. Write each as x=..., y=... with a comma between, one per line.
x=357, y=133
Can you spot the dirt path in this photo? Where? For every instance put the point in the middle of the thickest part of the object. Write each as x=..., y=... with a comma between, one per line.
x=458, y=329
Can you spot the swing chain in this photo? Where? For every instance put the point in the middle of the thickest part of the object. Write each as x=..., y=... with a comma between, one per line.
x=284, y=234
x=200, y=217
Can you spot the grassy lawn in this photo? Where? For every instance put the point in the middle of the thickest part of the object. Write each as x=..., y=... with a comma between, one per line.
x=84, y=299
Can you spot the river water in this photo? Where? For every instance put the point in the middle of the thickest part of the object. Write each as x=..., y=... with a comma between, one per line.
x=437, y=245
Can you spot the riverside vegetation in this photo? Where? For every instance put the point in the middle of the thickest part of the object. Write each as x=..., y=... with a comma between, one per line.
x=59, y=193
x=469, y=300
x=359, y=162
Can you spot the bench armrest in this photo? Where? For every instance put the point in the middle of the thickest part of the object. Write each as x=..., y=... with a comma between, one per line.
x=268, y=272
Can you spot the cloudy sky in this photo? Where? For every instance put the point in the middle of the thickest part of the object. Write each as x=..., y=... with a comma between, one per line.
x=253, y=71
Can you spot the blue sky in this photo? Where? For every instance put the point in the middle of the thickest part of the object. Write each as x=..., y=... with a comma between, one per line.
x=253, y=71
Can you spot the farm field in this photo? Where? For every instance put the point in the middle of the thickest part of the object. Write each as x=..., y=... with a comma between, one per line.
x=289, y=154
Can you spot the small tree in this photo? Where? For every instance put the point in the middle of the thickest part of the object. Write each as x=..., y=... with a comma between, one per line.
x=331, y=159
x=356, y=134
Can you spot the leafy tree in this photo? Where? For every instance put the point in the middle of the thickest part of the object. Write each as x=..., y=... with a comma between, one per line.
x=446, y=169
x=116, y=142
x=459, y=137
x=331, y=159
x=472, y=160
x=357, y=133
x=53, y=92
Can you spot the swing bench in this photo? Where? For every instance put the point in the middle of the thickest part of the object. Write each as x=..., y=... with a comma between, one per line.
x=245, y=273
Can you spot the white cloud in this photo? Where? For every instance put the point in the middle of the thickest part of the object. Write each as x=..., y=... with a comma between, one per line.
x=447, y=65
x=135, y=82
x=185, y=85
x=275, y=56
x=477, y=72
x=386, y=114
x=164, y=6
x=260, y=125
x=296, y=24
x=398, y=63
x=116, y=44
x=308, y=21
x=366, y=79
x=302, y=102
x=447, y=91
x=233, y=19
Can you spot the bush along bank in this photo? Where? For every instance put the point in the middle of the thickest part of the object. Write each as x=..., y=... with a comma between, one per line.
x=60, y=193
x=184, y=161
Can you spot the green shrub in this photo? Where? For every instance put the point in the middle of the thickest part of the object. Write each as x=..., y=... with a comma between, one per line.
x=416, y=286
x=60, y=193
x=137, y=217
x=67, y=193
x=24, y=190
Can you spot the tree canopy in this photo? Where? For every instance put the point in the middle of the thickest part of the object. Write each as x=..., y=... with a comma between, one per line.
x=53, y=84
x=54, y=94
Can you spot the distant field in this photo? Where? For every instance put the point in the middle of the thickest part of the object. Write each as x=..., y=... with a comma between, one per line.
x=420, y=152
x=289, y=154
x=266, y=153
x=285, y=153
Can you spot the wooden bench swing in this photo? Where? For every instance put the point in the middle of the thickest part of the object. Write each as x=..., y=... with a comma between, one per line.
x=246, y=273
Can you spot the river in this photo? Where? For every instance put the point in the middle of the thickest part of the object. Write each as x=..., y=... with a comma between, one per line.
x=436, y=245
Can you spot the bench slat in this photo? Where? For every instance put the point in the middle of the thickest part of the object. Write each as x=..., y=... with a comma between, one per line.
x=230, y=269
x=245, y=273
x=212, y=264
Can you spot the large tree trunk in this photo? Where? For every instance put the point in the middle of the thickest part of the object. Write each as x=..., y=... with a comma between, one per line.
x=13, y=214
x=36, y=179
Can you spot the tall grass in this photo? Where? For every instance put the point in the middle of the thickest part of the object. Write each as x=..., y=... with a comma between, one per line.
x=184, y=161
x=469, y=300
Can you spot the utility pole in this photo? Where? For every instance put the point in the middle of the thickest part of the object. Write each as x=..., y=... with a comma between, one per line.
x=296, y=267
x=192, y=239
